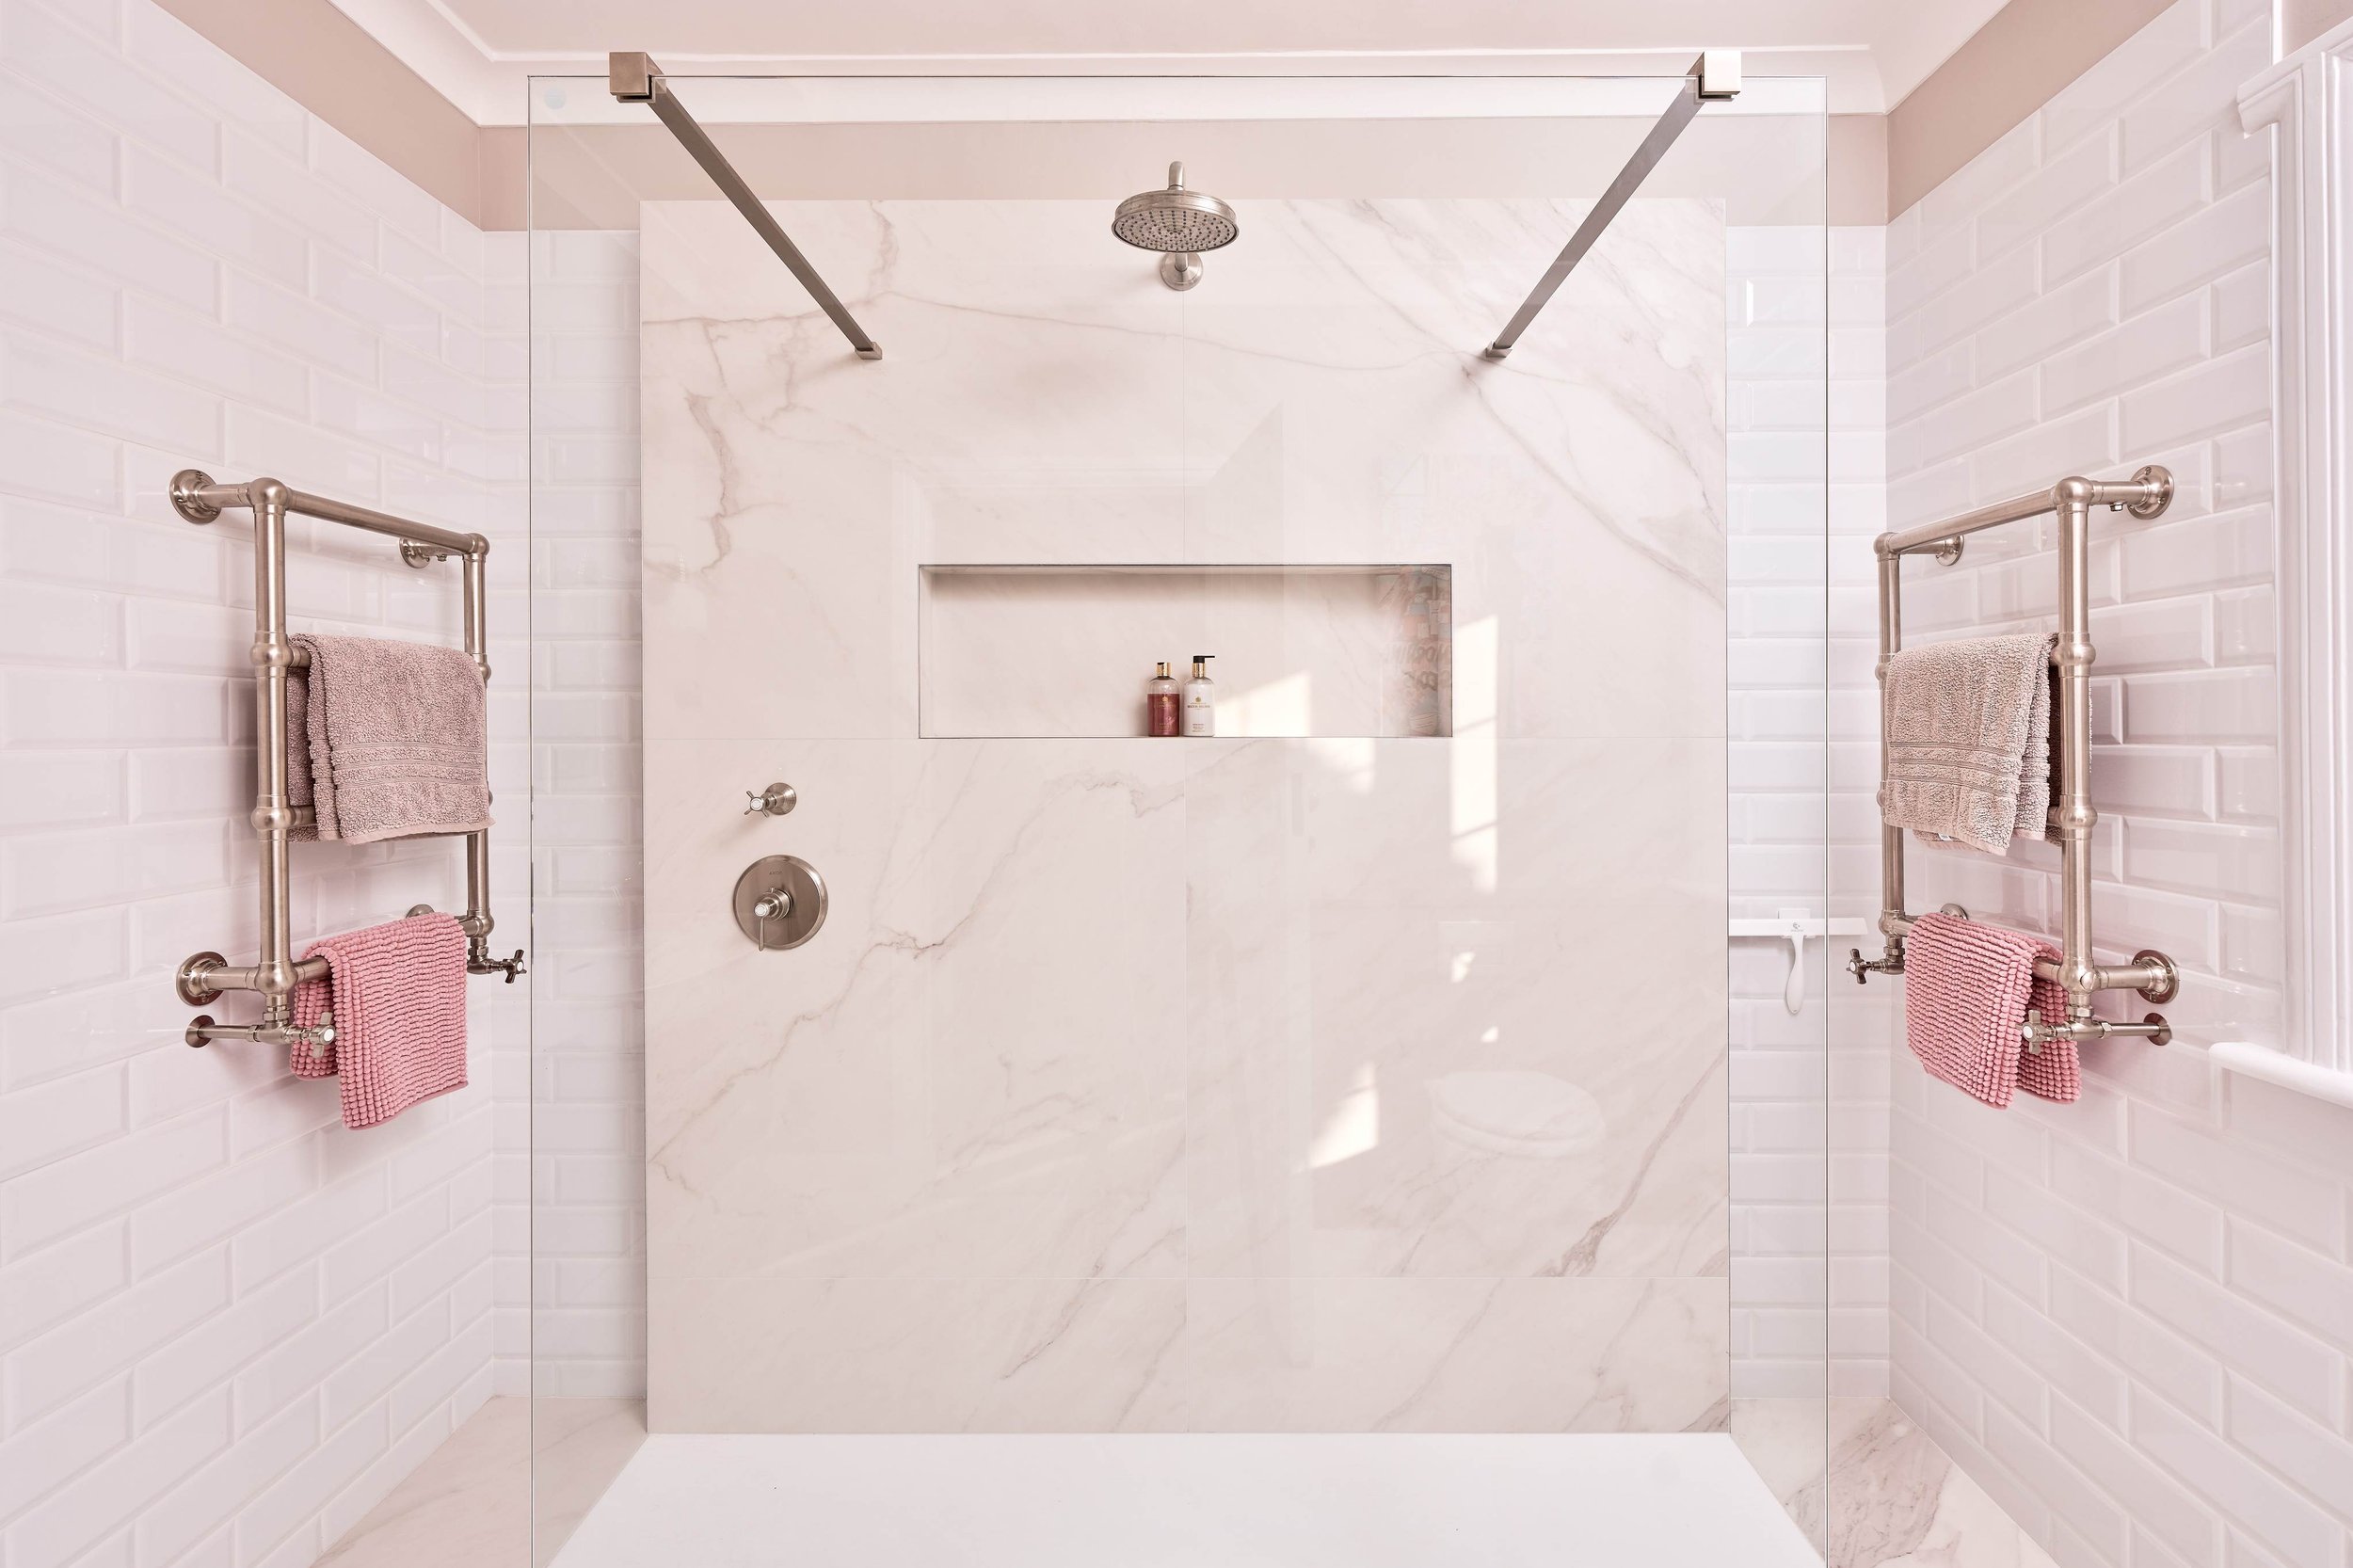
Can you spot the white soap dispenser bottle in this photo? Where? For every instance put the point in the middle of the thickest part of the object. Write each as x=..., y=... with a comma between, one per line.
x=1201, y=698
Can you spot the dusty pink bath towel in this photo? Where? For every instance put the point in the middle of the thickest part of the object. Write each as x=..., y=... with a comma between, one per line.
x=1966, y=727
x=399, y=996
x=387, y=740
x=1966, y=991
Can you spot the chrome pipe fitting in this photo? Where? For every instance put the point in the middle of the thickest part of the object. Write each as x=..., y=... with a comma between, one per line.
x=202, y=1031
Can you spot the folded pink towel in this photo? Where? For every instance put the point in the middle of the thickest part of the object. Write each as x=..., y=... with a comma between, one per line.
x=399, y=999
x=1966, y=991
x=386, y=740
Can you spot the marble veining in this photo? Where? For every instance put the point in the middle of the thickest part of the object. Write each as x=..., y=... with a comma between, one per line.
x=1254, y=1083
x=1872, y=1490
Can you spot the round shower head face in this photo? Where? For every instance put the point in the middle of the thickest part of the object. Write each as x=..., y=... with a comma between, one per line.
x=1178, y=221
x=1174, y=222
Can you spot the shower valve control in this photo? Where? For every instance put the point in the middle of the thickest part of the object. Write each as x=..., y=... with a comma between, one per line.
x=773, y=800
x=780, y=903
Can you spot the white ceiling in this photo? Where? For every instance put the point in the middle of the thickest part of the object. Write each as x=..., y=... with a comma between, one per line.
x=479, y=53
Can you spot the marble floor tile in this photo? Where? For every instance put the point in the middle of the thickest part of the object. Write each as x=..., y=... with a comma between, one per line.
x=506, y=1489
x=578, y=1448
x=1894, y=1498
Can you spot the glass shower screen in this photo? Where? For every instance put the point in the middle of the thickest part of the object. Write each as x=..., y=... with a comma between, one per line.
x=1409, y=1046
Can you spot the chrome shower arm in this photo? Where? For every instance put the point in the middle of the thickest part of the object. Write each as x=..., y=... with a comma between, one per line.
x=633, y=78
x=1714, y=75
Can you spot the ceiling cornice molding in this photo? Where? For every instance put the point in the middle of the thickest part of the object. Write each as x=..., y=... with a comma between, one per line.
x=490, y=84
x=409, y=81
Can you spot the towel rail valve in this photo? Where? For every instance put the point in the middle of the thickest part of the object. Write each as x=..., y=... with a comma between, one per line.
x=478, y=960
x=1863, y=969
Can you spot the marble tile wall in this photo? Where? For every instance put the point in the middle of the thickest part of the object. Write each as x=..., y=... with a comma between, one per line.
x=1216, y=1085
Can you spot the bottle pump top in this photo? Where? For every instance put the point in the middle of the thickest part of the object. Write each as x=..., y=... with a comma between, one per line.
x=1201, y=665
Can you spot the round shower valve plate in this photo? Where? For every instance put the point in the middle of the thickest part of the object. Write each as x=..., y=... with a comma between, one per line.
x=779, y=902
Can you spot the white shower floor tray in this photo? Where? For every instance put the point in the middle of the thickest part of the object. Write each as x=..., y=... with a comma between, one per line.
x=1189, y=1501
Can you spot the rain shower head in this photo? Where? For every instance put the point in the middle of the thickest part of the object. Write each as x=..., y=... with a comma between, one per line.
x=1177, y=223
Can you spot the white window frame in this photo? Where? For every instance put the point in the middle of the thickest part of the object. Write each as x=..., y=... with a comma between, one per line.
x=2306, y=100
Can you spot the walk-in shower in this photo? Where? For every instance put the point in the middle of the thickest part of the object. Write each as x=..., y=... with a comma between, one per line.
x=1350, y=1134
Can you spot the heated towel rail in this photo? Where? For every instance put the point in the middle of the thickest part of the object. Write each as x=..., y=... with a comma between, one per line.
x=204, y=976
x=2146, y=495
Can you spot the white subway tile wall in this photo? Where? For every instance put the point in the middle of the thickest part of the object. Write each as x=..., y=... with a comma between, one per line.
x=1809, y=1215
x=228, y=1325
x=2127, y=1318
x=589, y=1181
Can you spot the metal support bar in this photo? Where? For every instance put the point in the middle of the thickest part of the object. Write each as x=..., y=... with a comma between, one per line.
x=276, y=972
x=1714, y=74
x=2073, y=818
x=633, y=78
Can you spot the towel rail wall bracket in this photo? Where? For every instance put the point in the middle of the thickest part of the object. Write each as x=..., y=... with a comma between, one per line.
x=203, y=977
x=2154, y=976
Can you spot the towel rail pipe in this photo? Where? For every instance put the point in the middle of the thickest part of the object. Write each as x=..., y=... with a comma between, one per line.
x=2074, y=815
x=2145, y=494
x=476, y=919
x=1891, y=838
x=276, y=971
x=2151, y=969
x=198, y=499
x=273, y=972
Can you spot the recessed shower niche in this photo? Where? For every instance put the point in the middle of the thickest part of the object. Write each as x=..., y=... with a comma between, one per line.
x=1339, y=650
